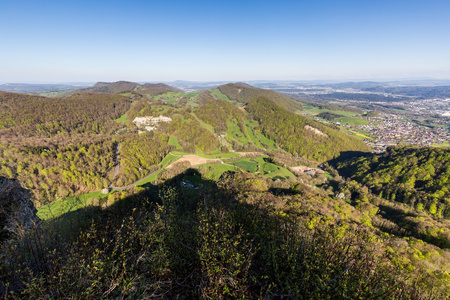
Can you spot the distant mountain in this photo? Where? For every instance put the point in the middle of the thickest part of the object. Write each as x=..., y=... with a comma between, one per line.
x=149, y=89
x=243, y=93
x=26, y=88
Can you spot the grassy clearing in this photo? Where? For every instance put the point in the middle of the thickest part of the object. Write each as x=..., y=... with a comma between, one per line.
x=173, y=97
x=70, y=204
x=443, y=144
x=234, y=132
x=247, y=164
x=122, y=119
x=352, y=121
x=170, y=158
x=259, y=165
x=214, y=171
x=361, y=135
x=273, y=171
x=250, y=127
x=173, y=140
x=266, y=143
x=149, y=179
x=203, y=124
x=216, y=93
x=354, y=134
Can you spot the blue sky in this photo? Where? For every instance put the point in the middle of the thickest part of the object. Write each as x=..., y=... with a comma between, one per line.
x=62, y=41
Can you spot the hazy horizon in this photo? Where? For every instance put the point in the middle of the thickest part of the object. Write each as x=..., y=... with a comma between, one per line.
x=143, y=41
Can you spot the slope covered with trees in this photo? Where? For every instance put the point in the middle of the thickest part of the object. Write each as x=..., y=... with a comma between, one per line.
x=150, y=89
x=299, y=135
x=418, y=177
x=243, y=93
x=25, y=115
x=234, y=240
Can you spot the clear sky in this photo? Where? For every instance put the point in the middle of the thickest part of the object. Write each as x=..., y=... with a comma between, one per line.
x=163, y=40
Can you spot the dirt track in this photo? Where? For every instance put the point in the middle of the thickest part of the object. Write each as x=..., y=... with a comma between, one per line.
x=194, y=160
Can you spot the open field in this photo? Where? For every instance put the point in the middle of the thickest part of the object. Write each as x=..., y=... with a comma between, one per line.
x=122, y=119
x=56, y=209
x=194, y=160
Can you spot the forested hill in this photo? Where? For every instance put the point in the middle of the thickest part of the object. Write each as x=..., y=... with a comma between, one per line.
x=25, y=115
x=415, y=176
x=299, y=135
x=123, y=86
x=243, y=93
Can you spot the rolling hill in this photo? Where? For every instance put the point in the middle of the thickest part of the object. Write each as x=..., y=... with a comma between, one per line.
x=148, y=89
x=205, y=187
x=243, y=93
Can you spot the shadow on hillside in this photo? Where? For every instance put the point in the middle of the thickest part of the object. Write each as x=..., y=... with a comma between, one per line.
x=407, y=226
x=200, y=240
x=346, y=155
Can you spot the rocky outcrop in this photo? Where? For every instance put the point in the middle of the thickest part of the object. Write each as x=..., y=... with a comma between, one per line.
x=17, y=211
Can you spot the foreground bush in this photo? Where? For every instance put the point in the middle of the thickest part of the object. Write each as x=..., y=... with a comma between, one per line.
x=211, y=244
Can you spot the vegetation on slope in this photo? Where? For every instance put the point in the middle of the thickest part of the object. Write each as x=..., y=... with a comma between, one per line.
x=234, y=240
x=27, y=115
x=140, y=155
x=418, y=177
x=149, y=89
x=243, y=93
x=299, y=135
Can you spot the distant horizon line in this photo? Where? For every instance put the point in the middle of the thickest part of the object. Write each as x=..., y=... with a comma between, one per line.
x=74, y=83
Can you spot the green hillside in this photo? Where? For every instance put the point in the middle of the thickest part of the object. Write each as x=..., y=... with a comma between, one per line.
x=147, y=90
x=231, y=195
x=299, y=135
x=415, y=176
x=243, y=93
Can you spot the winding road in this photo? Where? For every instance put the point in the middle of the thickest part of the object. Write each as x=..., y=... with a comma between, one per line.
x=193, y=159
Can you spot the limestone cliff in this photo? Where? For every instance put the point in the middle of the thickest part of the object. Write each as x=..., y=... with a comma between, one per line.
x=16, y=208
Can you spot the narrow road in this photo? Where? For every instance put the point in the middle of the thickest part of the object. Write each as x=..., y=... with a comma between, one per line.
x=113, y=188
x=243, y=154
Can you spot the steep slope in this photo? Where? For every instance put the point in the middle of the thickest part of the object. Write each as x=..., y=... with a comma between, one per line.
x=415, y=176
x=243, y=93
x=299, y=135
x=16, y=209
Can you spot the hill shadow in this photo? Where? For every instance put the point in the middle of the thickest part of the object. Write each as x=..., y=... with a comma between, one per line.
x=346, y=155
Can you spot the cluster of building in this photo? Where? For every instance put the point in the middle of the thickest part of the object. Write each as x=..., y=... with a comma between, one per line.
x=395, y=132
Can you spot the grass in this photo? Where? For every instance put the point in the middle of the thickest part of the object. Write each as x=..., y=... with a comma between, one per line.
x=218, y=94
x=267, y=169
x=149, y=179
x=122, y=119
x=352, y=121
x=443, y=144
x=56, y=209
x=170, y=158
x=214, y=171
x=173, y=97
x=361, y=135
x=247, y=165
x=173, y=140
x=234, y=132
x=203, y=124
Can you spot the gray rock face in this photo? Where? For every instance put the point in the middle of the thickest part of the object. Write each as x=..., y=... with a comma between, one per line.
x=17, y=211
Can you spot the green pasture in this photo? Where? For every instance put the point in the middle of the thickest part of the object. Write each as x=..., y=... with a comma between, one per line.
x=122, y=119
x=173, y=140
x=56, y=209
x=214, y=171
x=355, y=121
